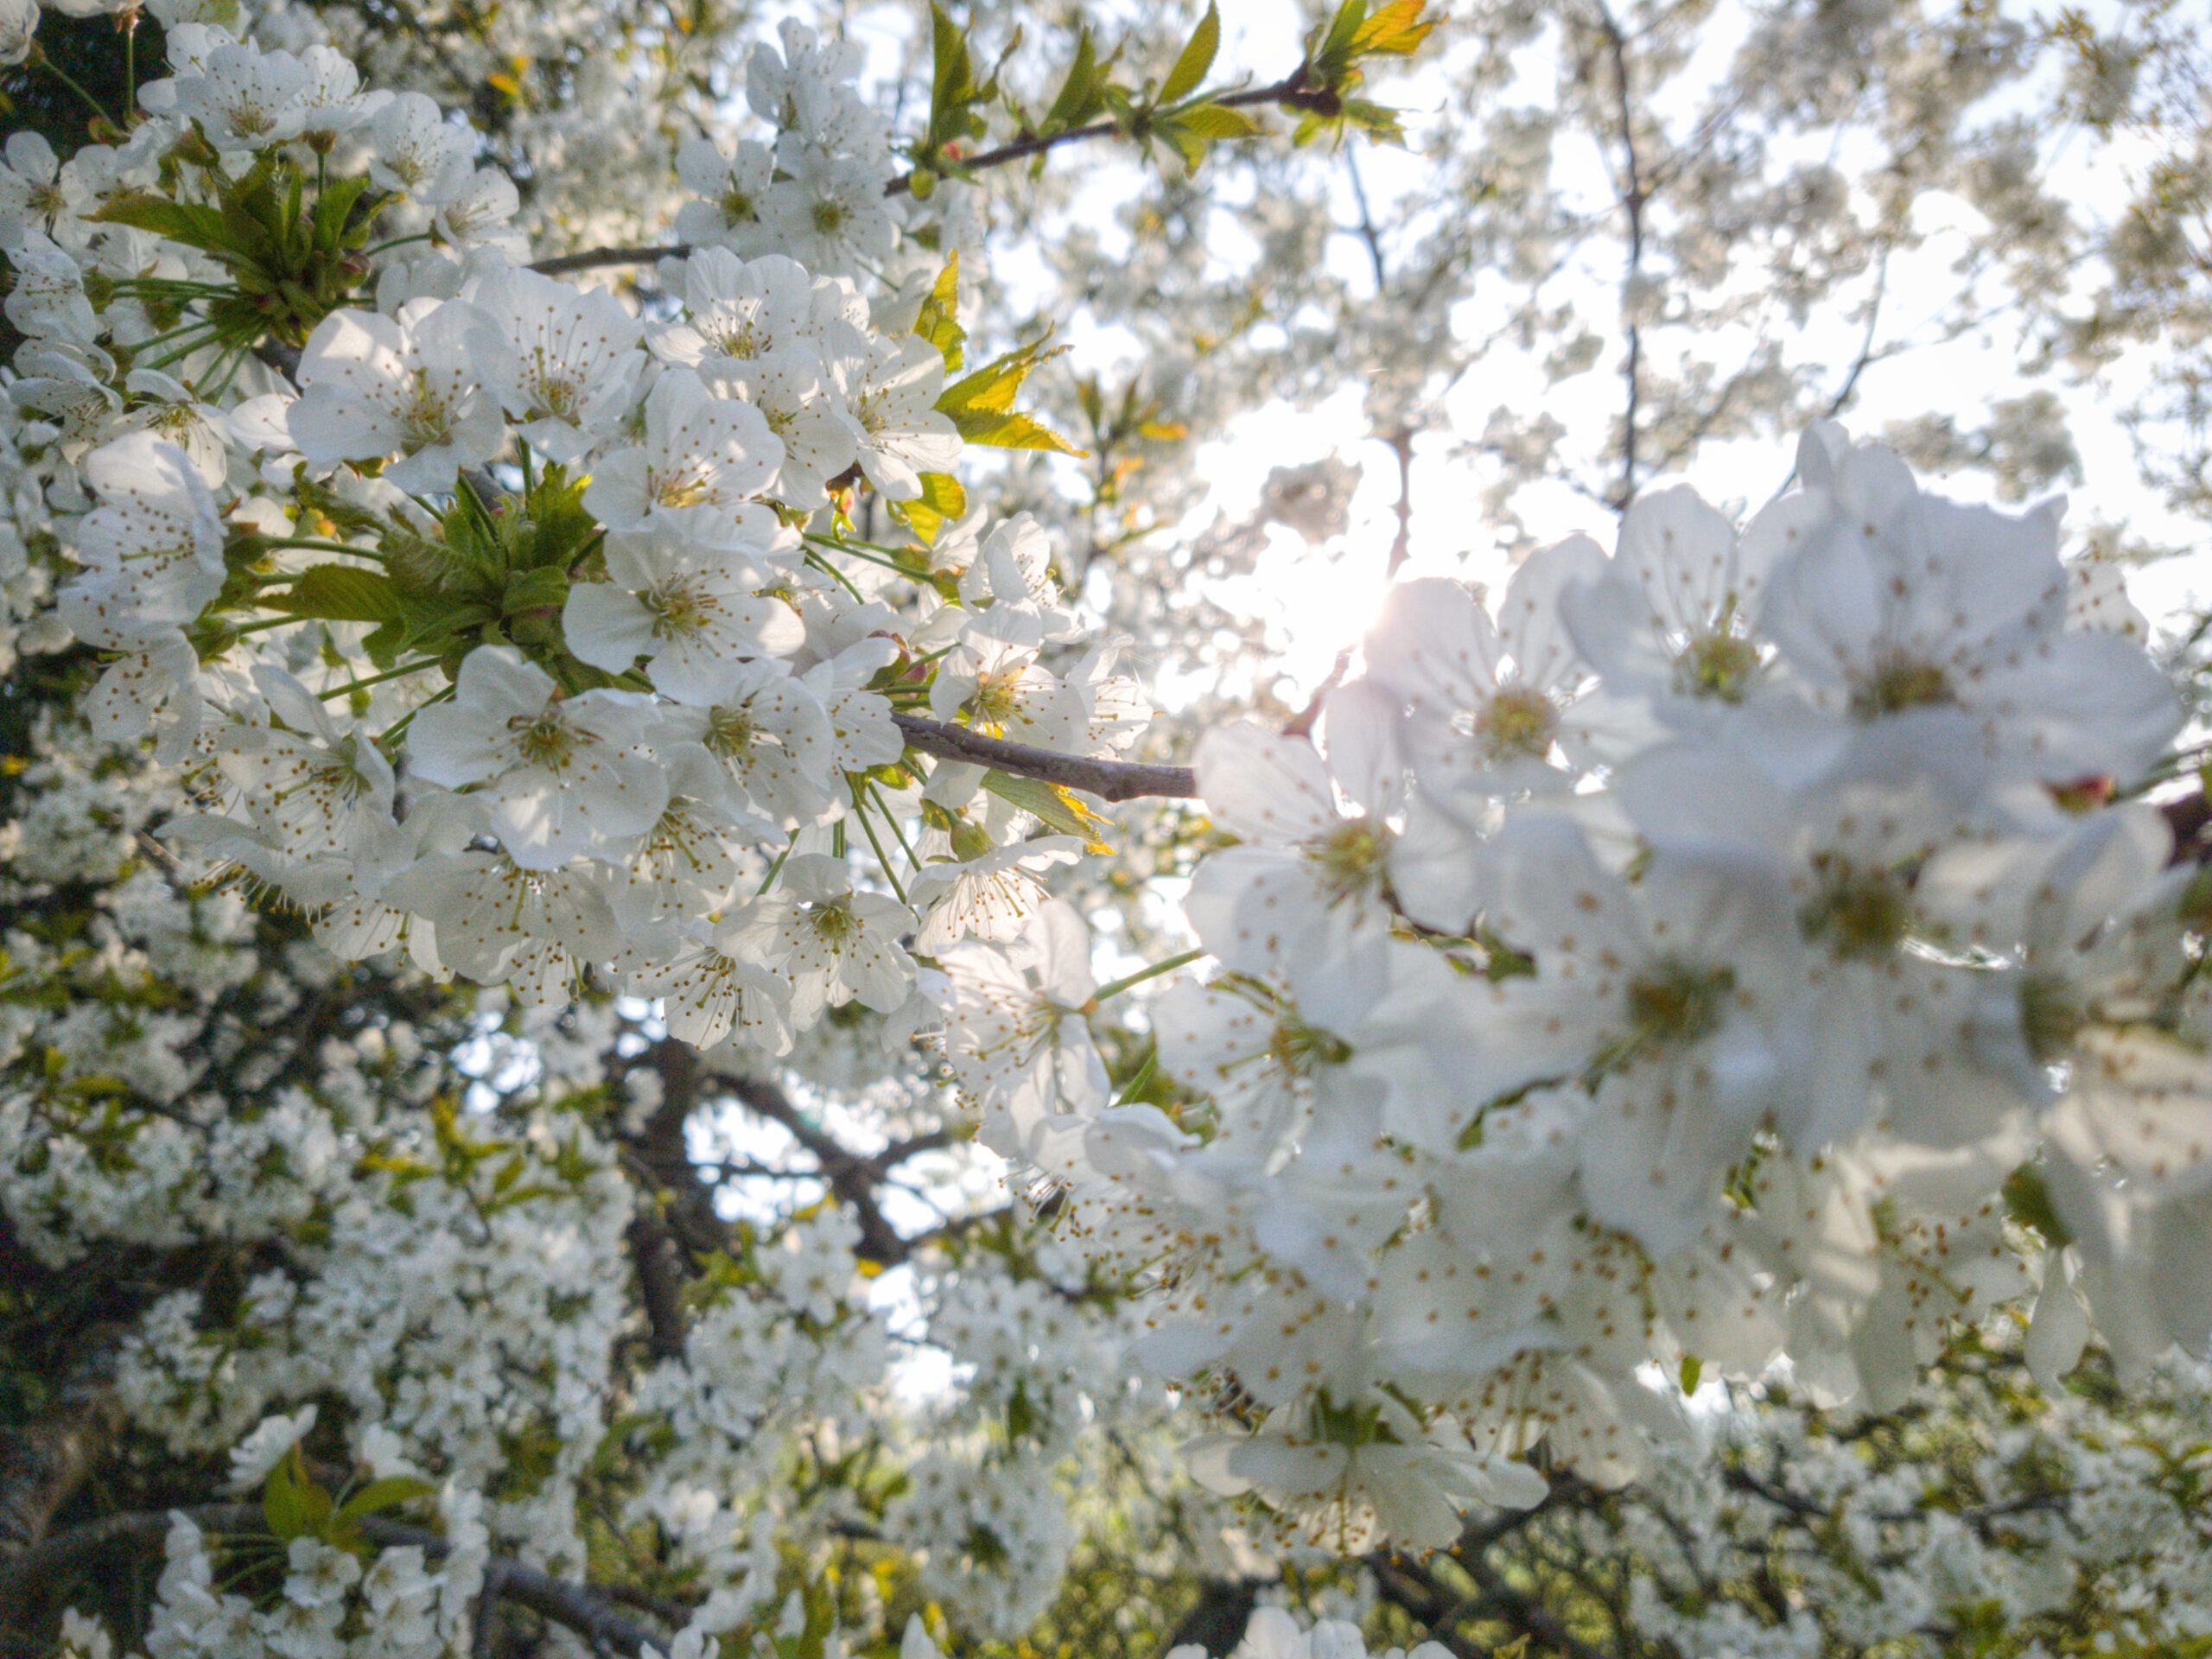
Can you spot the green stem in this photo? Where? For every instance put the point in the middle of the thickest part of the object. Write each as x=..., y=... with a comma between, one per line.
x=891, y=818
x=883, y=858
x=44, y=62
x=267, y=623
x=1143, y=1075
x=352, y=686
x=397, y=242
x=834, y=574
x=777, y=868
x=854, y=550
x=390, y=737
x=209, y=330
x=312, y=545
x=1114, y=988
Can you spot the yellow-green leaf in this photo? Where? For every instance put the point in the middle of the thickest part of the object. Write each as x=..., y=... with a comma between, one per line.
x=1050, y=804
x=1195, y=58
x=1218, y=121
x=1011, y=432
x=939, y=321
x=941, y=499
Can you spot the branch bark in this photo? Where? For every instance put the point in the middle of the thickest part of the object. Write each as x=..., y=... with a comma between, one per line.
x=1110, y=780
x=583, y=1608
x=1291, y=92
x=44, y=1462
x=1632, y=198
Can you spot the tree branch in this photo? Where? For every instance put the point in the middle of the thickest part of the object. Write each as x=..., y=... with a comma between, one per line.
x=578, y=1607
x=45, y=1461
x=590, y=258
x=1291, y=92
x=1110, y=780
x=1632, y=198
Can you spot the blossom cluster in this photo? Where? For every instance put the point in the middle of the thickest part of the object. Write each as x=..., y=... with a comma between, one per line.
x=1738, y=947
x=529, y=633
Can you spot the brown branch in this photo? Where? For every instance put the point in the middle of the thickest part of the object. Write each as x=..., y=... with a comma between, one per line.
x=579, y=1607
x=45, y=1461
x=851, y=1177
x=2189, y=816
x=1632, y=200
x=1110, y=780
x=590, y=258
x=1291, y=92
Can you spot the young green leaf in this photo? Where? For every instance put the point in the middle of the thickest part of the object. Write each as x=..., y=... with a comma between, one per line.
x=1195, y=58
x=339, y=592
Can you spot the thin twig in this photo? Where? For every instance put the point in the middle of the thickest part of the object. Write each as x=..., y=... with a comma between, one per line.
x=1110, y=780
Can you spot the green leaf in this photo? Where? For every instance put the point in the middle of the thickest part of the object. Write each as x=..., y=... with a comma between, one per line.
x=939, y=321
x=531, y=590
x=1195, y=58
x=339, y=592
x=386, y=1494
x=2028, y=1201
x=291, y=1502
x=941, y=499
x=194, y=225
x=990, y=389
x=1214, y=122
x=1396, y=28
x=982, y=405
x=1011, y=432
x=1079, y=98
x=1048, y=804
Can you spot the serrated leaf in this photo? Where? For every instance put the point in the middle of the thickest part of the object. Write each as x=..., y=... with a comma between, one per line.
x=1195, y=58
x=982, y=405
x=339, y=592
x=530, y=590
x=991, y=388
x=1049, y=804
x=194, y=225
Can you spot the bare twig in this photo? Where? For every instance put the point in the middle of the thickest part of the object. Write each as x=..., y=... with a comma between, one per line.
x=1291, y=92
x=1110, y=780
x=592, y=258
x=1633, y=197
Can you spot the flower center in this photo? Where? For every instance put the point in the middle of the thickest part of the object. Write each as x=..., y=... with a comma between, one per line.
x=543, y=739
x=2051, y=1016
x=1349, y=859
x=1716, y=665
x=730, y=732
x=1861, y=912
x=1516, y=723
x=1678, y=1002
x=678, y=609
x=1899, y=683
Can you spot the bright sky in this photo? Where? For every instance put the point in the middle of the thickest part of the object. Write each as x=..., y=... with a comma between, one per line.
x=1321, y=599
